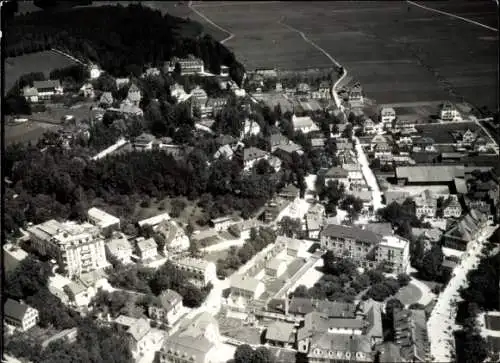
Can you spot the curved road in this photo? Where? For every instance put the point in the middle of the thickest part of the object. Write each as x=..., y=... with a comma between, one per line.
x=231, y=35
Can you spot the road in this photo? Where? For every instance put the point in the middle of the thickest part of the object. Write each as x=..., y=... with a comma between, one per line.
x=230, y=36
x=444, y=313
x=370, y=178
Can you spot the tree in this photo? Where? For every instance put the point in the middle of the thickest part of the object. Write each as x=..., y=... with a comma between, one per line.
x=243, y=354
x=177, y=206
x=393, y=305
x=262, y=355
x=290, y=227
x=432, y=261
x=403, y=279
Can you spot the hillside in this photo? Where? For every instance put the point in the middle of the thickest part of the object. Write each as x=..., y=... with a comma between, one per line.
x=120, y=39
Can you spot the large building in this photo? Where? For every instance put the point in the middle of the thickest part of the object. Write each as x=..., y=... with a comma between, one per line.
x=395, y=252
x=199, y=272
x=77, y=248
x=20, y=315
x=197, y=341
x=410, y=333
x=465, y=230
x=429, y=174
x=102, y=219
x=189, y=65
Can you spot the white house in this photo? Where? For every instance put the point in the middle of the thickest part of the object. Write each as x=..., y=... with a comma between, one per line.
x=146, y=248
x=119, y=247
x=47, y=89
x=30, y=94
x=246, y=287
x=175, y=237
x=153, y=221
x=449, y=112
x=94, y=71
x=200, y=272
x=304, y=124
x=169, y=307
x=372, y=128
x=20, y=315
x=87, y=90
x=120, y=82
x=252, y=155
x=251, y=127
x=222, y=223
x=387, y=116
x=102, y=219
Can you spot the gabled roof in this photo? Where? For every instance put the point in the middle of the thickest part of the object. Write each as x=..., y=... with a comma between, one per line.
x=14, y=309
x=139, y=329
x=356, y=233
x=280, y=331
x=430, y=173
x=252, y=153
x=169, y=299
x=245, y=283
x=107, y=98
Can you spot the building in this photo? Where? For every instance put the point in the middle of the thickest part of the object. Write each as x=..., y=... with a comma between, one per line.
x=371, y=311
x=410, y=334
x=429, y=174
x=299, y=307
x=48, y=89
x=387, y=116
x=325, y=90
x=280, y=334
x=250, y=127
x=120, y=248
x=146, y=248
x=199, y=272
x=134, y=94
x=467, y=229
x=128, y=108
x=293, y=246
x=154, y=221
x=176, y=239
x=304, y=124
x=138, y=336
x=168, y=309
x=95, y=71
x=277, y=139
x=395, y=253
x=449, y=112
x=290, y=192
x=246, y=287
x=121, y=82
x=326, y=347
x=252, y=155
x=179, y=93
x=30, y=94
x=87, y=90
x=276, y=268
x=197, y=341
x=77, y=248
x=352, y=242
x=356, y=95
x=315, y=219
x=222, y=223
x=189, y=65
x=425, y=205
x=12, y=256
x=451, y=207
x=336, y=173
x=372, y=128
x=151, y=72
x=20, y=315
x=79, y=294
x=103, y=220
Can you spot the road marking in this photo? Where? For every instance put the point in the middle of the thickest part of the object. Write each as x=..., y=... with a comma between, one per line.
x=231, y=35
x=453, y=16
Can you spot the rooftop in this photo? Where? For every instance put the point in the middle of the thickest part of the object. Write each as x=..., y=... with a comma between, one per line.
x=430, y=173
x=15, y=309
x=147, y=244
x=280, y=331
x=356, y=233
x=245, y=283
x=394, y=242
x=153, y=221
x=104, y=219
x=192, y=262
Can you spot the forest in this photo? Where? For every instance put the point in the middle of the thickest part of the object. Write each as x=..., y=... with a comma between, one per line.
x=120, y=39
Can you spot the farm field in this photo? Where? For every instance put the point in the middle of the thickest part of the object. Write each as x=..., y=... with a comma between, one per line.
x=442, y=133
x=45, y=62
x=395, y=57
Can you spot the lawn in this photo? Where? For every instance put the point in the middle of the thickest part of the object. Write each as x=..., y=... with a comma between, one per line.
x=45, y=62
x=442, y=133
x=190, y=214
x=25, y=132
x=493, y=322
x=399, y=53
x=409, y=294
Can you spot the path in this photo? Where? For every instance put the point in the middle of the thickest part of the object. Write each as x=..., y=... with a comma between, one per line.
x=224, y=245
x=444, y=313
x=231, y=35
x=452, y=16
x=427, y=294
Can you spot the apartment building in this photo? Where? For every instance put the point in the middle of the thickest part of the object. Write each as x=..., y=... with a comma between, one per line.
x=395, y=252
x=77, y=248
x=199, y=272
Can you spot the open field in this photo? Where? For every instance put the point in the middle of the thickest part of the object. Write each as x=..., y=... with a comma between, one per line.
x=399, y=52
x=409, y=294
x=442, y=132
x=45, y=62
x=25, y=132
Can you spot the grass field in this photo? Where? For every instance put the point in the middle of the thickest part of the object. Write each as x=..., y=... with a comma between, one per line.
x=442, y=133
x=45, y=62
x=399, y=53
x=409, y=294
x=25, y=132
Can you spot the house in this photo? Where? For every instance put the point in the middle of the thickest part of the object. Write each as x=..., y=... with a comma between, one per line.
x=12, y=256
x=252, y=155
x=134, y=95
x=429, y=236
x=78, y=248
x=226, y=140
x=167, y=309
x=176, y=239
x=151, y=72
x=293, y=247
x=251, y=127
x=429, y=174
x=120, y=82
x=425, y=205
x=103, y=220
x=356, y=95
x=275, y=163
x=30, y=94
x=280, y=334
x=146, y=248
x=315, y=218
x=225, y=151
x=246, y=287
x=200, y=272
x=303, y=88
x=449, y=112
x=304, y=124
x=48, y=89
x=299, y=307
x=177, y=91
x=354, y=172
x=410, y=334
x=129, y=108
x=106, y=99
x=337, y=174
x=87, y=90
x=222, y=223
x=138, y=336
x=196, y=341
x=371, y=128
x=119, y=247
x=381, y=143
x=394, y=252
x=154, y=221
x=143, y=142
x=326, y=347
x=387, y=116
x=289, y=149
x=95, y=71
x=465, y=230
x=20, y=315
x=317, y=322
x=277, y=139
x=276, y=267
x=325, y=90
x=371, y=311
x=353, y=242
x=343, y=145
x=389, y=353
x=318, y=143
x=215, y=105
x=451, y=207
x=189, y=65
x=79, y=294
x=290, y=192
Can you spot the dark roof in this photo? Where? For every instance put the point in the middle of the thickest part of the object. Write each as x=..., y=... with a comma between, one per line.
x=336, y=172
x=47, y=84
x=381, y=229
x=14, y=309
x=338, y=231
x=430, y=173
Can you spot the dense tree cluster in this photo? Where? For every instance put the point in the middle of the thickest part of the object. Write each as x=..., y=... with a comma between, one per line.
x=246, y=354
x=237, y=257
x=120, y=39
x=148, y=280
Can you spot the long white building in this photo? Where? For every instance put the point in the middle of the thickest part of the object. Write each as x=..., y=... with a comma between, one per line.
x=77, y=248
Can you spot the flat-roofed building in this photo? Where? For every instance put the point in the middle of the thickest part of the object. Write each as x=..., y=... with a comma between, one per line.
x=77, y=248
x=147, y=249
x=199, y=272
x=395, y=252
x=429, y=174
x=102, y=219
